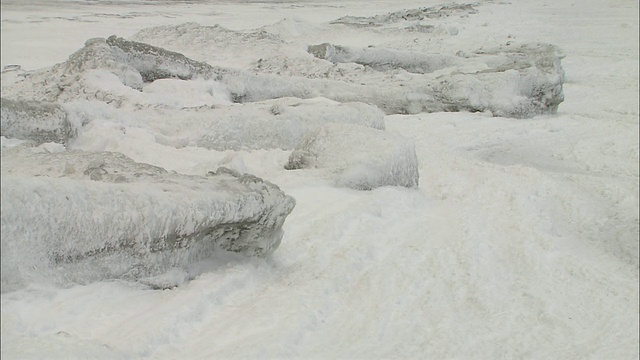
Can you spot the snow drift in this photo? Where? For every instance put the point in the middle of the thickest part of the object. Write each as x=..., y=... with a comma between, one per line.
x=83, y=217
x=273, y=124
x=280, y=123
x=358, y=157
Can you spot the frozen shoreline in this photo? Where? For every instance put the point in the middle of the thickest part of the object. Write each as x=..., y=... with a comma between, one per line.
x=520, y=242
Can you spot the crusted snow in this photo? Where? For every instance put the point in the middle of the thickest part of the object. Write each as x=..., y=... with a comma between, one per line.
x=521, y=240
x=358, y=157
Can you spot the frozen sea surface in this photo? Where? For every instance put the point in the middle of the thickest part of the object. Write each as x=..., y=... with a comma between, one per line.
x=520, y=241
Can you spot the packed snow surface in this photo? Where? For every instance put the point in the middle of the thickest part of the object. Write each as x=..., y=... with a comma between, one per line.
x=358, y=157
x=520, y=120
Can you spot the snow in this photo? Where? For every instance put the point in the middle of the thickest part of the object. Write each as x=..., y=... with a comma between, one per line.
x=518, y=81
x=358, y=157
x=521, y=240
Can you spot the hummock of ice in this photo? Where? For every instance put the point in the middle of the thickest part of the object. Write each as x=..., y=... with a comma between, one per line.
x=273, y=124
x=516, y=81
x=432, y=12
x=134, y=65
x=81, y=217
x=358, y=157
x=224, y=46
x=36, y=121
x=384, y=59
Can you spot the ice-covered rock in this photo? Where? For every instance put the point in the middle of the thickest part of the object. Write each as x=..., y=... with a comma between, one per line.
x=358, y=157
x=39, y=122
x=80, y=217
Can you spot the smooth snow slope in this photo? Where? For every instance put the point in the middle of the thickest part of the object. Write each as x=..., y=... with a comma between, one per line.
x=521, y=241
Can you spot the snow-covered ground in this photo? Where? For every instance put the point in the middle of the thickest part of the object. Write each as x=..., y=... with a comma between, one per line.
x=520, y=241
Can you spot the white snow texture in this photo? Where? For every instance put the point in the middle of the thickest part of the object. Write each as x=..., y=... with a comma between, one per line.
x=319, y=179
x=358, y=157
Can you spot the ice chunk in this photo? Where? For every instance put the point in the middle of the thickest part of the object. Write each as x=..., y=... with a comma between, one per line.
x=358, y=157
x=517, y=81
x=274, y=124
x=39, y=122
x=384, y=59
x=432, y=12
x=80, y=217
x=278, y=123
x=132, y=62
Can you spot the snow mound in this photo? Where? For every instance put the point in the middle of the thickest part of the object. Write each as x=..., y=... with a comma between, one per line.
x=358, y=157
x=83, y=217
x=294, y=28
x=116, y=71
x=213, y=44
x=36, y=121
x=280, y=123
x=133, y=63
x=193, y=93
x=60, y=345
x=274, y=124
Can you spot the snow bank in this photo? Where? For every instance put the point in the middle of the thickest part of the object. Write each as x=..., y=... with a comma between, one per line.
x=82, y=217
x=279, y=123
x=274, y=124
x=358, y=157
x=39, y=122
